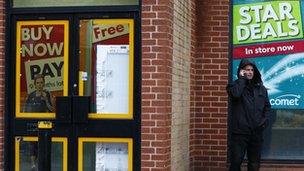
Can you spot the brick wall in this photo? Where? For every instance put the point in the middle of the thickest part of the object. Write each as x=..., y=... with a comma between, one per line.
x=208, y=53
x=157, y=52
x=181, y=85
x=2, y=79
x=209, y=78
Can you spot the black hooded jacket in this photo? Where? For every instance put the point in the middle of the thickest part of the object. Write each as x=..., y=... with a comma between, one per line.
x=250, y=102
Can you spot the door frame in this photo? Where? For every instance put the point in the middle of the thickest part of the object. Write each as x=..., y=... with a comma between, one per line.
x=125, y=128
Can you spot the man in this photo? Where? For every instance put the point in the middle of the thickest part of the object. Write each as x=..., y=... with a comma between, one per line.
x=250, y=112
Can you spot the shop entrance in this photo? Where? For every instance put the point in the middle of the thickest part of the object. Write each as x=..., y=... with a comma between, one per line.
x=82, y=73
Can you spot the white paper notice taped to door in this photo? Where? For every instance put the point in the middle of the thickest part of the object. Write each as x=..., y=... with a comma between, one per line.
x=112, y=79
x=111, y=157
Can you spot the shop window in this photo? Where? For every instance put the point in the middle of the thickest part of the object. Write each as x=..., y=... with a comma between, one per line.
x=284, y=139
x=106, y=66
x=277, y=50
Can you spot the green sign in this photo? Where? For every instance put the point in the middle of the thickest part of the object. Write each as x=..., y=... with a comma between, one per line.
x=266, y=21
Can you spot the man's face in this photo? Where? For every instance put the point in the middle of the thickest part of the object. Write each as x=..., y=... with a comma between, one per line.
x=39, y=84
x=249, y=71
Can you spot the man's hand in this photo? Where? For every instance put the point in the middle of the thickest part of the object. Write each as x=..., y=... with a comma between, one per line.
x=243, y=73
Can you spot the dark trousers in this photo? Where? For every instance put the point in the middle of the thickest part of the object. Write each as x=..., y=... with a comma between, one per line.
x=240, y=144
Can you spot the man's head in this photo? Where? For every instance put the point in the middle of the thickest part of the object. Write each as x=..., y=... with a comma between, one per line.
x=249, y=71
x=39, y=82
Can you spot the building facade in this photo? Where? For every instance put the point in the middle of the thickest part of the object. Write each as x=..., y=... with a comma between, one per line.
x=181, y=65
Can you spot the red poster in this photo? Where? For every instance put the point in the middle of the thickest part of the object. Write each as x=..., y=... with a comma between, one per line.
x=41, y=62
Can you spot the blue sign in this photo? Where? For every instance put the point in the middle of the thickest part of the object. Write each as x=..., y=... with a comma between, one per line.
x=283, y=76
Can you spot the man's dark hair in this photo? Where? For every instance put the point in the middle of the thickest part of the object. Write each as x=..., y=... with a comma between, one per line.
x=247, y=65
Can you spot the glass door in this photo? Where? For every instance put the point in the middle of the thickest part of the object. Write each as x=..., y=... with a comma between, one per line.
x=41, y=74
x=106, y=66
x=81, y=73
x=106, y=69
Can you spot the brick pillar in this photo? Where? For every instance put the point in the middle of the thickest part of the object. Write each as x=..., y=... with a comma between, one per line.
x=208, y=142
x=156, y=84
x=180, y=125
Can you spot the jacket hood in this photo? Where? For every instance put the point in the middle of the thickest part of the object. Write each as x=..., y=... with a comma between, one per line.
x=256, y=75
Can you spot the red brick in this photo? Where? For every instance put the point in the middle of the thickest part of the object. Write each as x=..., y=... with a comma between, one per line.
x=210, y=66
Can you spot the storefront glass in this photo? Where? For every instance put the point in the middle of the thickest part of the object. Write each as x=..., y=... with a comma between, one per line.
x=270, y=33
x=27, y=154
x=106, y=66
x=105, y=154
x=41, y=73
x=284, y=139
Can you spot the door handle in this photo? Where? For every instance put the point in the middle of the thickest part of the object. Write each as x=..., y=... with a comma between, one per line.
x=72, y=109
x=64, y=109
x=81, y=108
